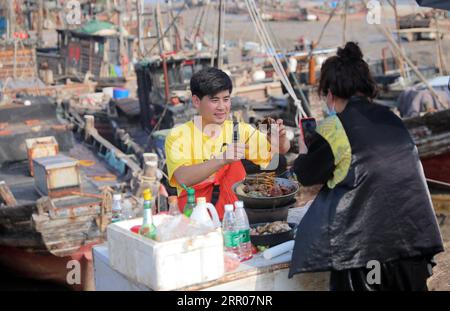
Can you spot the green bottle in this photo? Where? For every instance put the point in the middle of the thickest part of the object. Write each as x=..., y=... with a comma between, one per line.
x=189, y=207
x=148, y=229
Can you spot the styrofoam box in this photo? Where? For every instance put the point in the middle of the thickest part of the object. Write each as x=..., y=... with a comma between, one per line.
x=165, y=265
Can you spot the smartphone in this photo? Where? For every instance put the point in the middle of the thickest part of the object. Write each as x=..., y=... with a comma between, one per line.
x=308, y=128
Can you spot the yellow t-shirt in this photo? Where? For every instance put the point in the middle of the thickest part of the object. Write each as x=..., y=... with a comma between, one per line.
x=187, y=145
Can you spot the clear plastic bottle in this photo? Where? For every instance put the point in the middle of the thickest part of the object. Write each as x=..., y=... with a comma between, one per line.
x=244, y=230
x=231, y=235
x=127, y=210
x=173, y=205
x=116, y=209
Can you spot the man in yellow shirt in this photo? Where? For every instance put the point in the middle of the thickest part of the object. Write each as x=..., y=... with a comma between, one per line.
x=205, y=153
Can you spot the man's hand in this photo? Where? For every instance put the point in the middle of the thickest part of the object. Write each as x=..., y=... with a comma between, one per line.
x=283, y=142
x=234, y=152
x=281, y=130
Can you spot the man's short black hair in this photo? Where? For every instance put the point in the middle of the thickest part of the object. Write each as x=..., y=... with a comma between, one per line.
x=210, y=81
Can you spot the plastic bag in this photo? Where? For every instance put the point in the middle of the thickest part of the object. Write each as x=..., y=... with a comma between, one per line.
x=231, y=261
x=177, y=227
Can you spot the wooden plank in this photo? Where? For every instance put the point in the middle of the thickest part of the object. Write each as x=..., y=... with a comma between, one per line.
x=6, y=195
x=67, y=231
x=441, y=203
x=413, y=30
x=42, y=223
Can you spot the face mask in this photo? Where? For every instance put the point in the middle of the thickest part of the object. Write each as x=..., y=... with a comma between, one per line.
x=330, y=111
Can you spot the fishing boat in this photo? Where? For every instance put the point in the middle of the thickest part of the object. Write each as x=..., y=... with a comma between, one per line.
x=47, y=222
x=431, y=133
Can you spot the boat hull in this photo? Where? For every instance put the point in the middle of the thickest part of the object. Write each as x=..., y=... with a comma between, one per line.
x=47, y=267
x=437, y=167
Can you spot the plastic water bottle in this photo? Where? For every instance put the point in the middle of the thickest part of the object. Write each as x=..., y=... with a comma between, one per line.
x=116, y=209
x=127, y=210
x=231, y=235
x=173, y=205
x=244, y=230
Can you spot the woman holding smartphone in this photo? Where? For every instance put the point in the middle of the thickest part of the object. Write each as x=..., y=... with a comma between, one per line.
x=372, y=224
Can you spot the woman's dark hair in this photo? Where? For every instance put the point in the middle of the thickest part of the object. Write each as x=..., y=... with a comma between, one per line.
x=210, y=81
x=347, y=74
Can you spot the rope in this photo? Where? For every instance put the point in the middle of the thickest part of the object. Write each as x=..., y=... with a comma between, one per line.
x=263, y=35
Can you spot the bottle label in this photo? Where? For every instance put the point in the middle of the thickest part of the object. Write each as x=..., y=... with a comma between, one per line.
x=245, y=235
x=232, y=238
x=149, y=231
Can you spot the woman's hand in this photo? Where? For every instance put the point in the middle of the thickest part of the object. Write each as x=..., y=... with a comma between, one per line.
x=302, y=148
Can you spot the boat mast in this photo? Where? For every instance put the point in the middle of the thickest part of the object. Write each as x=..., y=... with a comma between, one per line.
x=401, y=65
x=40, y=4
x=159, y=26
x=344, y=30
x=11, y=19
x=220, y=34
x=441, y=59
x=139, y=9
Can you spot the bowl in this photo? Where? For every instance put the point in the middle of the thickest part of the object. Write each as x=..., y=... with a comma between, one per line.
x=266, y=202
x=274, y=238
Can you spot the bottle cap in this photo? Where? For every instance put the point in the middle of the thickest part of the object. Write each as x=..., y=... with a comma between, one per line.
x=229, y=207
x=117, y=197
x=147, y=195
x=201, y=200
x=173, y=199
x=239, y=204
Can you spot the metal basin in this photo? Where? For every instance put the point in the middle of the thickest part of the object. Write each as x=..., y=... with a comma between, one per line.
x=274, y=238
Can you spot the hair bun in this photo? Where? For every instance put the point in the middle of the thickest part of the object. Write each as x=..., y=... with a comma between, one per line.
x=351, y=51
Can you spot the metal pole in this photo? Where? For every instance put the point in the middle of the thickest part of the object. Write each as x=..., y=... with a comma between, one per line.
x=139, y=8
x=171, y=35
x=166, y=79
x=40, y=20
x=344, y=32
x=158, y=28
x=443, y=67
x=121, y=44
x=221, y=31
x=11, y=19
